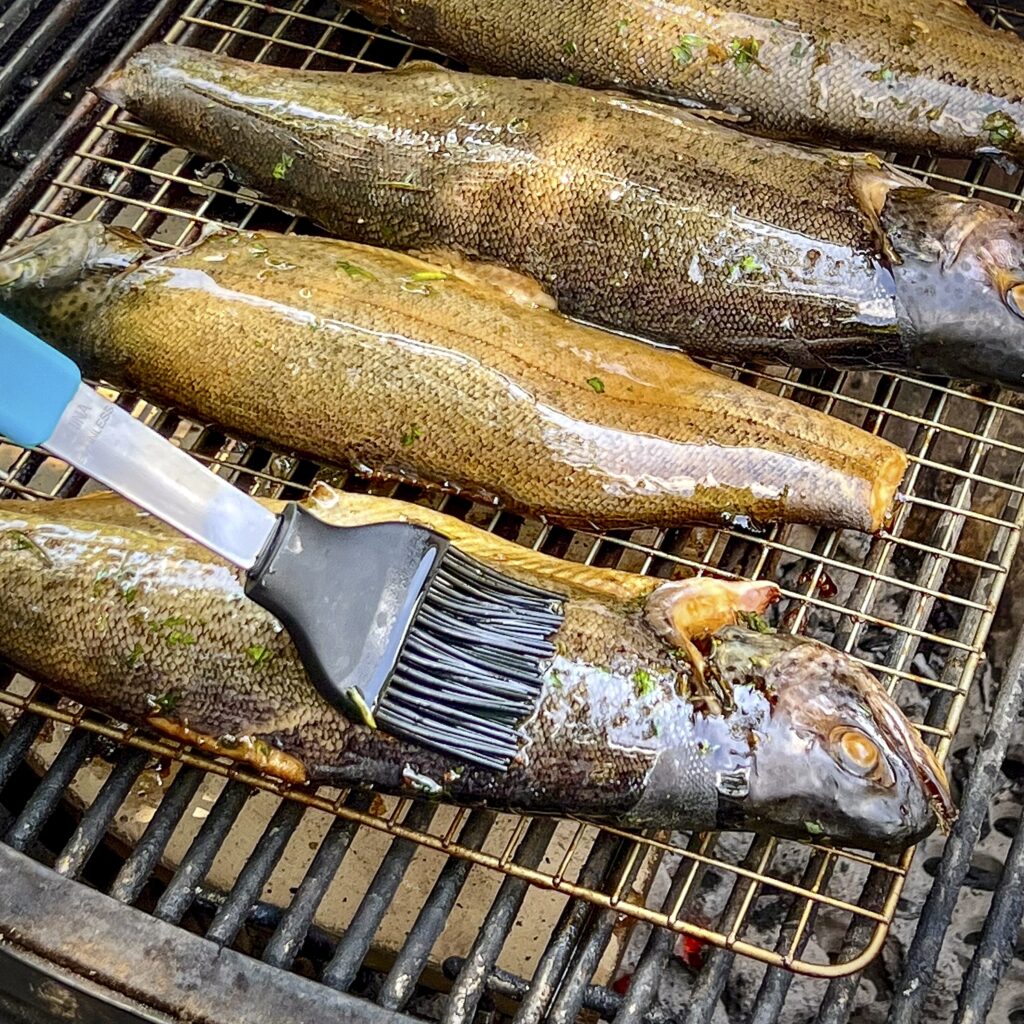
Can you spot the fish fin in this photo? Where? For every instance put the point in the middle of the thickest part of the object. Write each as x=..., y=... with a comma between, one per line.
x=342, y=508
x=524, y=290
x=253, y=751
x=682, y=610
x=419, y=66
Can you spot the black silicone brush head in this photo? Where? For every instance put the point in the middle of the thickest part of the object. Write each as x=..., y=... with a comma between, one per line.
x=402, y=631
x=473, y=662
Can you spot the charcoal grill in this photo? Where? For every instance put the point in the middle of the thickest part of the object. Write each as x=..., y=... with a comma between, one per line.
x=914, y=603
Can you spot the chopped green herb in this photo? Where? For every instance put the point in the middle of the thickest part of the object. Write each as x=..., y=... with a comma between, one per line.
x=643, y=682
x=746, y=267
x=704, y=747
x=597, y=384
x=430, y=275
x=23, y=542
x=797, y=53
x=405, y=186
x=570, y=49
x=262, y=747
x=259, y=654
x=743, y=53
x=167, y=701
x=355, y=272
x=132, y=657
x=174, y=635
x=754, y=621
x=128, y=595
x=682, y=52
x=412, y=435
x=556, y=678
x=283, y=166
x=1001, y=128
x=814, y=827
x=518, y=126
x=934, y=113
x=880, y=75
x=573, y=78
x=622, y=26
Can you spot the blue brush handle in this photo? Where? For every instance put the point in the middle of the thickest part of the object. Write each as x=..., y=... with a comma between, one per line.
x=36, y=384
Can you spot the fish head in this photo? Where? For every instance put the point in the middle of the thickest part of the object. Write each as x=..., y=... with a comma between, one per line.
x=830, y=754
x=50, y=281
x=958, y=270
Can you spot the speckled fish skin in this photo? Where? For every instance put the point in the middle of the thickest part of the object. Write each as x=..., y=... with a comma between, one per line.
x=927, y=76
x=636, y=216
x=115, y=610
x=373, y=358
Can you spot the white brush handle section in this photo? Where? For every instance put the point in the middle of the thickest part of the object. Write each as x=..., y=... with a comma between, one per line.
x=102, y=440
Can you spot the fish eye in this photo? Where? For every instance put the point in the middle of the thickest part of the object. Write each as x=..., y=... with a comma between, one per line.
x=857, y=751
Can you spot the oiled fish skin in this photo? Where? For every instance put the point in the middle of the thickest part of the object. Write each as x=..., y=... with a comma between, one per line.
x=118, y=611
x=377, y=359
x=927, y=76
x=637, y=216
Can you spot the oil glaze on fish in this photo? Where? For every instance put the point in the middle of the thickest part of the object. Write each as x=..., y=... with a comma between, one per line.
x=636, y=216
x=380, y=360
x=116, y=610
x=928, y=75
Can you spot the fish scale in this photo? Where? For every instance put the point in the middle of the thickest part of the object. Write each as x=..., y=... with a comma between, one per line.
x=595, y=745
x=637, y=216
x=461, y=387
x=921, y=76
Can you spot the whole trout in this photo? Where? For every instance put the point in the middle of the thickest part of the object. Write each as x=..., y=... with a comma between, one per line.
x=637, y=216
x=928, y=75
x=116, y=610
x=403, y=369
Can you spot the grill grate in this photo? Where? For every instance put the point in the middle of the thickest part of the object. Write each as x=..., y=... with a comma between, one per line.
x=913, y=603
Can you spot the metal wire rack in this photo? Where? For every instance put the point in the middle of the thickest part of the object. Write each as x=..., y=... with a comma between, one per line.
x=914, y=603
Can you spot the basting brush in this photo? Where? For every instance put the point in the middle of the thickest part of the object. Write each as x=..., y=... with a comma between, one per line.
x=395, y=626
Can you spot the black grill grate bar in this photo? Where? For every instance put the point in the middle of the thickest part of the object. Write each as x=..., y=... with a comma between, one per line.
x=144, y=858
x=95, y=821
x=565, y=937
x=596, y=997
x=258, y=867
x=711, y=981
x=13, y=18
x=412, y=957
x=470, y=984
x=288, y=937
x=15, y=747
x=998, y=940
x=771, y=995
x=922, y=956
x=60, y=71
x=569, y=999
x=41, y=38
x=18, y=198
x=643, y=986
x=838, y=1001
x=178, y=896
x=352, y=946
x=51, y=789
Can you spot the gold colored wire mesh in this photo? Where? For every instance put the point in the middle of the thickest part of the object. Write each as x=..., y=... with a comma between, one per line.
x=914, y=603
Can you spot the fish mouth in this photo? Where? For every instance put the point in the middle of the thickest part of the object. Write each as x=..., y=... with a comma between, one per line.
x=925, y=765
